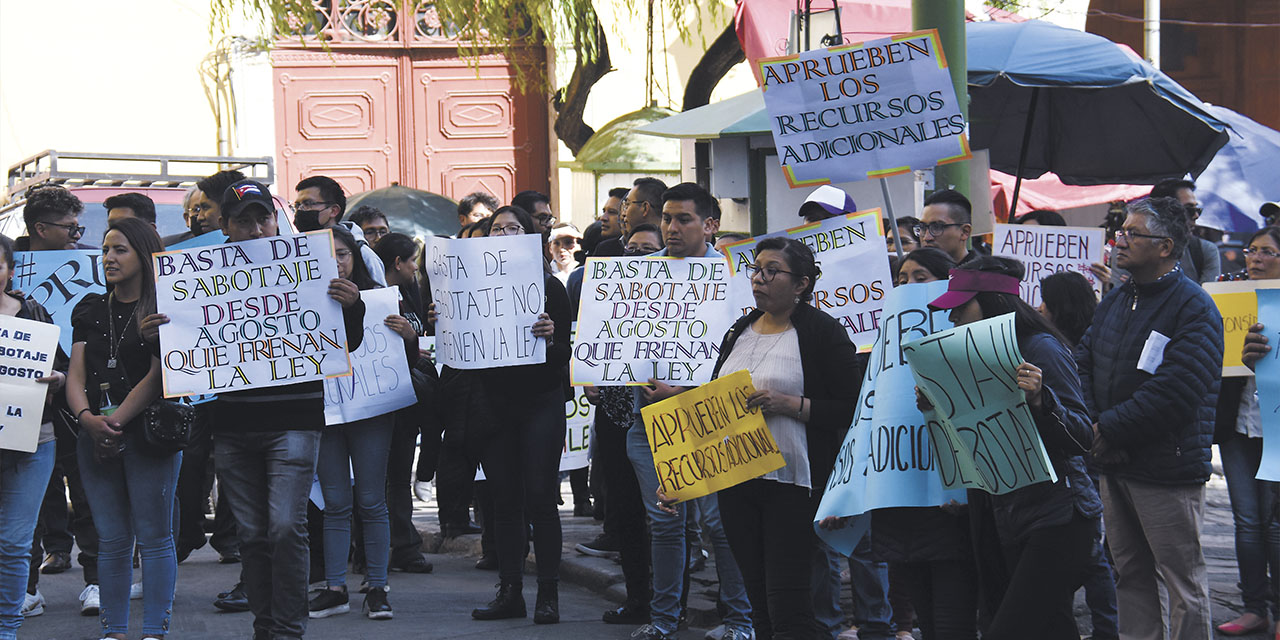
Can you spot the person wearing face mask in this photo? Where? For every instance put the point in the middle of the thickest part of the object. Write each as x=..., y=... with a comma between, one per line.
x=320, y=204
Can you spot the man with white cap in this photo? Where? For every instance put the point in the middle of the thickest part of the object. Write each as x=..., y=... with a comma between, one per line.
x=826, y=202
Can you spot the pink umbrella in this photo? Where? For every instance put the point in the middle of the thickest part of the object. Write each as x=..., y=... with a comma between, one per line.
x=1048, y=192
x=763, y=26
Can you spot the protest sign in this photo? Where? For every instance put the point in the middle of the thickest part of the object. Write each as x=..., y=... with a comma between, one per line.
x=578, y=416
x=1047, y=250
x=981, y=427
x=250, y=314
x=1268, y=370
x=27, y=348
x=1237, y=302
x=866, y=110
x=652, y=317
x=488, y=293
x=855, y=269
x=379, y=382
x=886, y=459
x=58, y=280
x=706, y=439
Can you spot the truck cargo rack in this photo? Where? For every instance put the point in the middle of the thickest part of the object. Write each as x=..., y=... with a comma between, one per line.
x=72, y=169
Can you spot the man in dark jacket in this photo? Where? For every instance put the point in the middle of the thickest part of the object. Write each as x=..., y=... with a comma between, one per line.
x=1150, y=365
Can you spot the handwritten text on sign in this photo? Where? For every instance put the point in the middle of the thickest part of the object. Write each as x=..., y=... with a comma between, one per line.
x=855, y=269
x=862, y=111
x=1048, y=250
x=886, y=459
x=58, y=280
x=26, y=353
x=488, y=294
x=379, y=382
x=578, y=416
x=1237, y=302
x=657, y=317
x=1268, y=378
x=706, y=439
x=984, y=436
x=250, y=314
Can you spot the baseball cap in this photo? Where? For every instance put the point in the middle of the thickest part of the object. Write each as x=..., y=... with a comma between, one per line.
x=834, y=201
x=1270, y=211
x=243, y=194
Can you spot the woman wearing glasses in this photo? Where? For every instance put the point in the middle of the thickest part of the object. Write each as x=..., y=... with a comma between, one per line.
x=806, y=375
x=1238, y=433
x=522, y=456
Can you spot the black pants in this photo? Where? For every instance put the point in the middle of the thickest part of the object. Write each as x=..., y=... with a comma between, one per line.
x=522, y=464
x=455, y=482
x=406, y=542
x=579, y=484
x=944, y=594
x=624, y=514
x=194, y=481
x=1044, y=572
x=770, y=529
x=55, y=526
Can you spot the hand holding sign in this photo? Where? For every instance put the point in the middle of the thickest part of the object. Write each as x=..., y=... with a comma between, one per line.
x=27, y=349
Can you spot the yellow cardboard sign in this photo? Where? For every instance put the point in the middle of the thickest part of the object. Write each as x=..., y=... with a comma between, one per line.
x=706, y=439
x=1238, y=304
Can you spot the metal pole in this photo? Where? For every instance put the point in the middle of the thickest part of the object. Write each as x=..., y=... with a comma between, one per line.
x=1151, y=31
x=947, y=16
x=1022, y=153
x=893, y=220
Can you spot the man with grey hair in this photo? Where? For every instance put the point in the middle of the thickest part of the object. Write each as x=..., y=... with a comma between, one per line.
x=1150, y=366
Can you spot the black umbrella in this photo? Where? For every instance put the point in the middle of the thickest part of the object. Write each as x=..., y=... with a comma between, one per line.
x=412, y=212
x=1046, y=98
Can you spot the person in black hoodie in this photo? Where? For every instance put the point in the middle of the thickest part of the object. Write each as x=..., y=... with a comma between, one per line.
x=266, y=442
x=1046, y=531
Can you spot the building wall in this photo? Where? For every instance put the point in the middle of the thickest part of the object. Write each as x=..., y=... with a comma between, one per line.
x=1229, y=66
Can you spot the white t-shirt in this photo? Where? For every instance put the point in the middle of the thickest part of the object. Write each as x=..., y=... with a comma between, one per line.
x=774, y=363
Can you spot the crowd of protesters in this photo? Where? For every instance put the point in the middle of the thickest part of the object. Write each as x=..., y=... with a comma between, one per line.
x=1128, y=435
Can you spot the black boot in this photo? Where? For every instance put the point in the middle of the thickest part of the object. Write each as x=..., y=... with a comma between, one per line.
x=509, y=603
x=547, y=609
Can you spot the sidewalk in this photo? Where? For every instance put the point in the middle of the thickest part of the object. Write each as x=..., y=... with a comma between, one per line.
x=604, y=576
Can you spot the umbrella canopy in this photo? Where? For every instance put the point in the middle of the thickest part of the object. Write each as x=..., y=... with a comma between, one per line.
x=1081, y=106
x=1048, y=192
x=1244, y=174
x=411, y=211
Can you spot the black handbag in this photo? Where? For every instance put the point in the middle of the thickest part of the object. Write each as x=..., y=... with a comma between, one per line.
x=166, y=426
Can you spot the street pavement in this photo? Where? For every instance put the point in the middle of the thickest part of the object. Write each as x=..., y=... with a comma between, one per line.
x=438, y=605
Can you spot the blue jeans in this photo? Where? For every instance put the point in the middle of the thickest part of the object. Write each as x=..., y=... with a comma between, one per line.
x=132, y=500
x=668, y=545
x=1257, y=528
x=266, y=477
x=23, y=477
x=825, y=586
x=364, y=443
x=869, y=580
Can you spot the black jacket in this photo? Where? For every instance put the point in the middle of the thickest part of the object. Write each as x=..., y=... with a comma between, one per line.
x=1162, y=422
x=832, y=379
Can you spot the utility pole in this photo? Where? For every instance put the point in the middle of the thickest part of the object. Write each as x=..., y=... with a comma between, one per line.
x=1151, y=32
x=947, y=16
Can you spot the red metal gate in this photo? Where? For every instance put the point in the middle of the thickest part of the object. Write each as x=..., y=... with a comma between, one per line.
x=392, y=101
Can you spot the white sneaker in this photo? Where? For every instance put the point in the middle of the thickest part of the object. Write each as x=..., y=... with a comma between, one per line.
x=89, y=601
x=32, y=605
x=135, y=591
x=422, y=490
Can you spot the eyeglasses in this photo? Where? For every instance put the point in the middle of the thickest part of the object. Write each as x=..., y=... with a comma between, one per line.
x=199, y=207
x=375, y=233
x=72, y=229
x=1126, y=235
x=767, y=274
x=636, y=249
x=637, y=203
x=310, y=206
x=1193, y=210
x=933, y=228
x=1265, y=252
x=342, y=254
x=546, y=219
x=506, y=230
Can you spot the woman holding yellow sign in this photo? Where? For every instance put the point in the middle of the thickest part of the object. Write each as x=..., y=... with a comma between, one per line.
x=806, y=375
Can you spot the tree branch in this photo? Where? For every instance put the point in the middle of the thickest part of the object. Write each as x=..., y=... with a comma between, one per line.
x=725, y=52
x=571, y=101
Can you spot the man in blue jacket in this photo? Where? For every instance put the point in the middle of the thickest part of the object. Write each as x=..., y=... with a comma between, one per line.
x=1150, y=366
